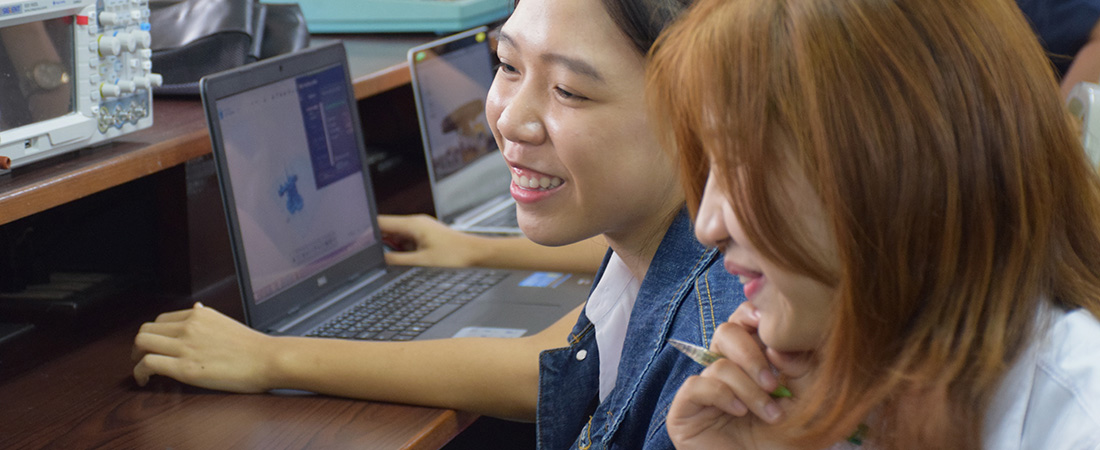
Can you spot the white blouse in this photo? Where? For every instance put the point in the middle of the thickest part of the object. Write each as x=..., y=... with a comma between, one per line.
x=608, y=309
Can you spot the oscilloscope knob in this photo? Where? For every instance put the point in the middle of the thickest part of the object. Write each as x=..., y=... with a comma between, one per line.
x=109, y=90
x=108, y=19
x=129, y=41
x=142, y=38
x=109, y=45
x=143, y=83
x=126, y=86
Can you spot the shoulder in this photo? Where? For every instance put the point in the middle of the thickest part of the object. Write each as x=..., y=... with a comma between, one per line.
x=1070, y=357
x=1063, y=406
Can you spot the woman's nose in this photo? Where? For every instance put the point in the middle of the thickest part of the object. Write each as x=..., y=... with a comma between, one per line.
x=710, y=229
x=520, y=119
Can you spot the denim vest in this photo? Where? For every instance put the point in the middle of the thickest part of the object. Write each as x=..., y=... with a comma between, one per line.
x=686, y=293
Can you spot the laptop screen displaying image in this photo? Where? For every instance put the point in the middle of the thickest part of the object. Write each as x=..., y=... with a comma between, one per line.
x=454, y=79
x=297, y=178
x=470, y=181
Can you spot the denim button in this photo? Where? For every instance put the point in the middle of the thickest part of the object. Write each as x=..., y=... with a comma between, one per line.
x=582, y=354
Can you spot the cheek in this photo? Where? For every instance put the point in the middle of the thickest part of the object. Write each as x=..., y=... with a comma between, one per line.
x=801, y=320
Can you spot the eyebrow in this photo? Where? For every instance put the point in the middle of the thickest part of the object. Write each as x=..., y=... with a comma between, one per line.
x=573, y=64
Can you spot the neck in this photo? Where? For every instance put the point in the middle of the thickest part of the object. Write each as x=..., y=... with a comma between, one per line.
x=638, y=245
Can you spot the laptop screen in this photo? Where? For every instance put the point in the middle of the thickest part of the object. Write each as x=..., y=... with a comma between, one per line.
x=453, y=79
x=298, y=187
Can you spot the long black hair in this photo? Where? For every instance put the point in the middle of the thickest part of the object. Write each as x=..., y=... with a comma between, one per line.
x=643, y=20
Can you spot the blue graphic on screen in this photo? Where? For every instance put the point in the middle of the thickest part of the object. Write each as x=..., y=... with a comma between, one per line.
x=289, y=189
x=327, y=119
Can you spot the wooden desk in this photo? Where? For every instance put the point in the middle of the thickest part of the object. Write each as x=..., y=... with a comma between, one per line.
x=87, y=398
x=79, y=393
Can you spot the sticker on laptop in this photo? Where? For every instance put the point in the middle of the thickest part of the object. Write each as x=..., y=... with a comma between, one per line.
x=545, y=279
x=492, y=332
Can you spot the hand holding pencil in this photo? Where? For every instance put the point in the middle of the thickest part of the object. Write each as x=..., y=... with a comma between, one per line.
x=712, y=410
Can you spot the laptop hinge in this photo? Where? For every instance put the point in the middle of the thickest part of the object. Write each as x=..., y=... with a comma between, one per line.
x=290, y=322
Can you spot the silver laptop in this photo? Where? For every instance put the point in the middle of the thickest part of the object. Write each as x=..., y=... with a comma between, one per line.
x=469, y=179
x=289, y=154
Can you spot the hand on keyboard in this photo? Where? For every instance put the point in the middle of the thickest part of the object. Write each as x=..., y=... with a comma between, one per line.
x=420, y=240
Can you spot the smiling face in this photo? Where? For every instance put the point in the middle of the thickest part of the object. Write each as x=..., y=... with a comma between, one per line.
x=794, y=308
x=567, y=110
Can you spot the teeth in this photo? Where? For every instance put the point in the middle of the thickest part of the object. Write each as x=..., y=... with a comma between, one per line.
x=537, y=183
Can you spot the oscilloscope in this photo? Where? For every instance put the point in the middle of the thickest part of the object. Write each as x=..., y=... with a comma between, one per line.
x=73, y=73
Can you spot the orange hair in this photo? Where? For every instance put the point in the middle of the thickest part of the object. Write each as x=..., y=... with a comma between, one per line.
x=955, y=186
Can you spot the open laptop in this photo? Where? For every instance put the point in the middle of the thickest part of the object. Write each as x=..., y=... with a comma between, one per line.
x=469, y=179
x=295, y=184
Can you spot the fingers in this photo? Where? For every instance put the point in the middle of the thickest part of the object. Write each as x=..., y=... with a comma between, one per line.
x=746, y=315
x=175, y=316
x=161, y=336
x=738, y=344
x=172, y=329
x=404, y=258
x=151, y=365
x=146, y=343
x=745, y=389
x=393, y=224
x=411, y=225
x=700, y=392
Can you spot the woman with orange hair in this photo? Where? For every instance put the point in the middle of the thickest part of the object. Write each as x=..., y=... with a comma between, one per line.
x=916, y=226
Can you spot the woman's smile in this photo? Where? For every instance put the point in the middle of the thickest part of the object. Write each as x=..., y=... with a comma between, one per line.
x=753, y=281
x=529, y=186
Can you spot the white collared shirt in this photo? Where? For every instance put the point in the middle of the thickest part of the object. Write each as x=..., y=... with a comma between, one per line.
x=608, y=309
x=1050, y=398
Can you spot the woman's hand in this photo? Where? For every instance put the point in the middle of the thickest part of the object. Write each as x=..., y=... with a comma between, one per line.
x=203, y=347
x=420, y=240
x=711, y=410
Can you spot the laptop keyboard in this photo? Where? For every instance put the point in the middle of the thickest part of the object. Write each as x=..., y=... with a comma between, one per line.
x=505, y=218
x=411, y=305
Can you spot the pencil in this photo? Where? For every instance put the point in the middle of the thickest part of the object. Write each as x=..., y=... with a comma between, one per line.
x=706, y=357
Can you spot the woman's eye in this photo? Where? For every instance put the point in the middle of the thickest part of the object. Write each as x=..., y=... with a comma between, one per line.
x=506, y=68
x=566, y=95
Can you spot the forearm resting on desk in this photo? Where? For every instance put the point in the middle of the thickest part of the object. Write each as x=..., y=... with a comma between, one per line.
x=202, y=347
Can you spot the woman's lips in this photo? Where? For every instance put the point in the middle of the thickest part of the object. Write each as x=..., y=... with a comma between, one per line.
x=535, y=182
x=752, y=280
x=752, y=286
x=529, y=179
x=529, y=186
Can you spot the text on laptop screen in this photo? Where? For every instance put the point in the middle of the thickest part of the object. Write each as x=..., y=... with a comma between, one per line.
x=297, y=178
x=453, y=83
